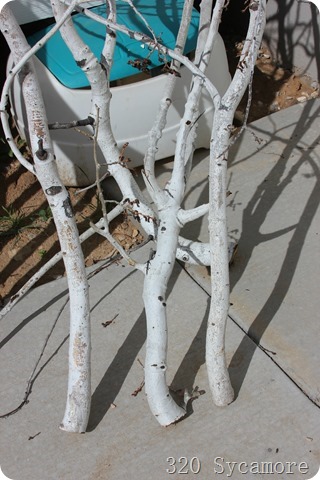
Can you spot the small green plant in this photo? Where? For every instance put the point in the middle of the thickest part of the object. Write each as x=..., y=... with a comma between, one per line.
x=44, y=214
x=14, y=221
x=42, y=252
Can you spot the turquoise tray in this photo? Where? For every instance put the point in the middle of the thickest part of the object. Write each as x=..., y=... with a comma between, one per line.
x=162, y=15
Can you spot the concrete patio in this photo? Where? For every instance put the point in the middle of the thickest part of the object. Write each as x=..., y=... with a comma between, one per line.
x=272, y=339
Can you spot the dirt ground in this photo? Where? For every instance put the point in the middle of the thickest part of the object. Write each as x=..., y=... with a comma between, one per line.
x=27, y=232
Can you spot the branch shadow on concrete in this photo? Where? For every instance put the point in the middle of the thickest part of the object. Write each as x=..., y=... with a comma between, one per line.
x=111, y=383
x=254, y=216
x=292, y=34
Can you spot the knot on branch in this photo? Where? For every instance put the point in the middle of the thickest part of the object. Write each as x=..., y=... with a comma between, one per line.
x=41, y=153
x=81, y=63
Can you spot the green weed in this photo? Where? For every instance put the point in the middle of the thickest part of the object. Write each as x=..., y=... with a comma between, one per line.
x=42, y=252
x=44, y=214
x=13, y=222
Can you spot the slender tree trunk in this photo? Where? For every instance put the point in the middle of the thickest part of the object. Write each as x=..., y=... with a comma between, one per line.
x=158, y=273
x=219, y=380
x=79, y=390
x=220, y=142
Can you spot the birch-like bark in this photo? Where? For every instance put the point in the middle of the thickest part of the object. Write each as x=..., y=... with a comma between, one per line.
x=219, y=305
x=196, y=253
x=155, y=132
x=160, y=267
x=188, y=251
x=79, y=390
x=157, y=275
x=166, y=226
x=5, y=91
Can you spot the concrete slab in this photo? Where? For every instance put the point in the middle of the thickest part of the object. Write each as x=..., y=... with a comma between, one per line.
x=271, y=420
x=273, y=424
x=273, y=213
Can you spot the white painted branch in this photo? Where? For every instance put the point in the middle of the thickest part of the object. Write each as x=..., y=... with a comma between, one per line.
x=136, y=11
x=79, y=390
x=154, y=136
x=160, y=267
x=187, y=132
x=155, y=133
x=193, y=252
x=5, y=91
x=158, y=272
x=186, y=216
x=98, y=77
x=110, y=41
x=129, y=188
x=204, y=26
x=219, y=304
x=161, y=403
x=104, y=231
x=215, y=344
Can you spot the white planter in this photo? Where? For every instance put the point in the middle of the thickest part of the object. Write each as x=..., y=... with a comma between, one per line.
x=133, y=110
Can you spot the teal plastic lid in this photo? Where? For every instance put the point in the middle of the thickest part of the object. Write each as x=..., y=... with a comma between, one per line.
x=163, y=16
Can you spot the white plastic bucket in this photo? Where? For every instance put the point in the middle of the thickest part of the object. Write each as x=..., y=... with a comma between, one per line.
x=133, y=110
